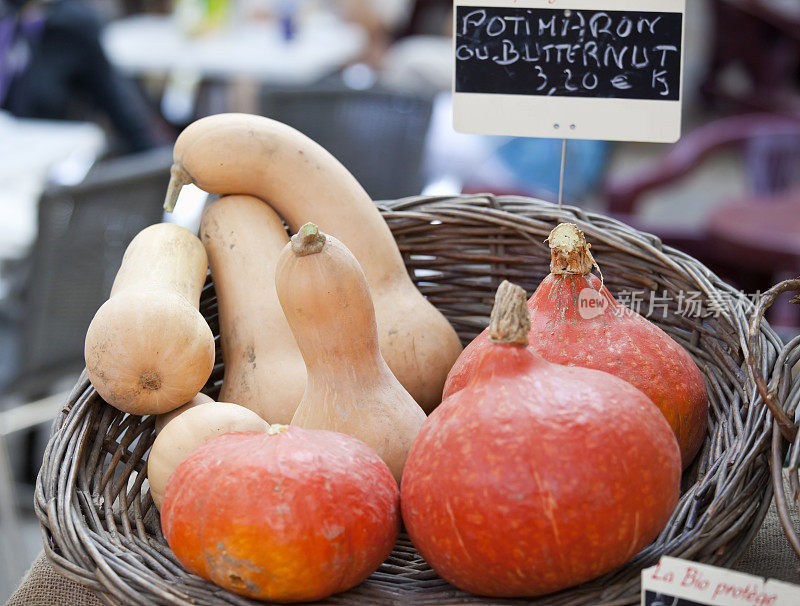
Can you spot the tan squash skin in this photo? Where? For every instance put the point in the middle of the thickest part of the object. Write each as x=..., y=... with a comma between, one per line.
x=243, y=154
x=350, y=388
x=165, y=418
x=263, y=368
x=148, y=349
x=188, y=430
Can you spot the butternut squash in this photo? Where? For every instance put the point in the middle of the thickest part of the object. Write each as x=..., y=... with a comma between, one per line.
x=349, y=389
x=187, y=431
x=165, y=418
x=238, y=153
x=148, y=349
x=263, y=368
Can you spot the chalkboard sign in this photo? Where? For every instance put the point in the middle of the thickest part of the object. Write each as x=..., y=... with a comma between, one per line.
x=568, y=53
x=581, y=69
x=652, y=598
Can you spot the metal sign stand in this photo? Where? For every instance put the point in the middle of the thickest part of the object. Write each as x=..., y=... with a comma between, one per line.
x=561, y=177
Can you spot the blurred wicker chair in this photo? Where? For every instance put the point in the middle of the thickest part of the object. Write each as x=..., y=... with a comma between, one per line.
x=378, y=135
x=752, y=242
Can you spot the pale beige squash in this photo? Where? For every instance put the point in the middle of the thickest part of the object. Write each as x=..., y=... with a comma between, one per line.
x=187, y=431
x=148, y=349
x=263, y=368
x=350, y=389
x=238, y=153
x=165, y=418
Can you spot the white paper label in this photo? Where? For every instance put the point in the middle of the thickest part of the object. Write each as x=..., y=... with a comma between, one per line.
x=571, y=69
x=676, y=582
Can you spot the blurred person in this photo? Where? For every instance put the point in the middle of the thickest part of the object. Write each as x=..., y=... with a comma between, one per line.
x=409, y=41
x=383, y=20
x=51, y=62
x=421, y=59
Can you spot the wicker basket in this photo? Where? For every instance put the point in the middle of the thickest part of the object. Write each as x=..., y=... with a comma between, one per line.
x=782, y=396
x=101, y=529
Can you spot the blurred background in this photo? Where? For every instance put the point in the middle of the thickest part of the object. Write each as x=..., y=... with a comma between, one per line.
x=94, y=92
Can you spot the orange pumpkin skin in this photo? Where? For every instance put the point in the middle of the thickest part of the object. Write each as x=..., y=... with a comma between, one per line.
x=288, y=517
x=536, y=477
x=618, y=341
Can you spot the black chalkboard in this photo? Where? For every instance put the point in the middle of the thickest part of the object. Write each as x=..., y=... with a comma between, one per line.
x=573, y=53
x=652, y=598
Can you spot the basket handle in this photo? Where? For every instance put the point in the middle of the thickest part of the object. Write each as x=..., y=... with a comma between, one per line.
x=785, y=424
x=783, y=428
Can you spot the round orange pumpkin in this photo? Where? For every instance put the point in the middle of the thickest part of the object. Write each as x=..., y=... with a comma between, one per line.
x=536, y=477
x=290, y=515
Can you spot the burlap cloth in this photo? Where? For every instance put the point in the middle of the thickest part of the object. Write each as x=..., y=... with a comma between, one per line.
x=43, y=586
x=768, y=556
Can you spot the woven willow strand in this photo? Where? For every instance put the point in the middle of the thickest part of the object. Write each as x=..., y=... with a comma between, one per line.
x=782, y=397
x=101, y=529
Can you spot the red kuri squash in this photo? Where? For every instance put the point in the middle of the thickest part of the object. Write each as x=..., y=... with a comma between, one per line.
x=536, y=477
x=290, y=515
x=576, y=321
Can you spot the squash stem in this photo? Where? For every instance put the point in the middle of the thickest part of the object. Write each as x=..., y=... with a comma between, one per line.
x=569, y=251
x=511, y=320
x=308, y=241
x=178, y=177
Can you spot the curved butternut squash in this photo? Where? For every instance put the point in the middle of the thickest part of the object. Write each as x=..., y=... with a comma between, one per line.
x=263, y=368
x=350, y=389
x=238, y=153
x=148, y=349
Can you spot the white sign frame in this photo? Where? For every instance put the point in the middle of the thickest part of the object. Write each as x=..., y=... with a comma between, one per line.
x=715, y=586
x=656, y=121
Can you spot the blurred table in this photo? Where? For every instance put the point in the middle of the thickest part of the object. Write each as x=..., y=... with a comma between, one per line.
x=154, y=45
x=33, y=152
x=763, y=232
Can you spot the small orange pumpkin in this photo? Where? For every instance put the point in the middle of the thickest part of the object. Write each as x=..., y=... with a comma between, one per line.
x=290, y=515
